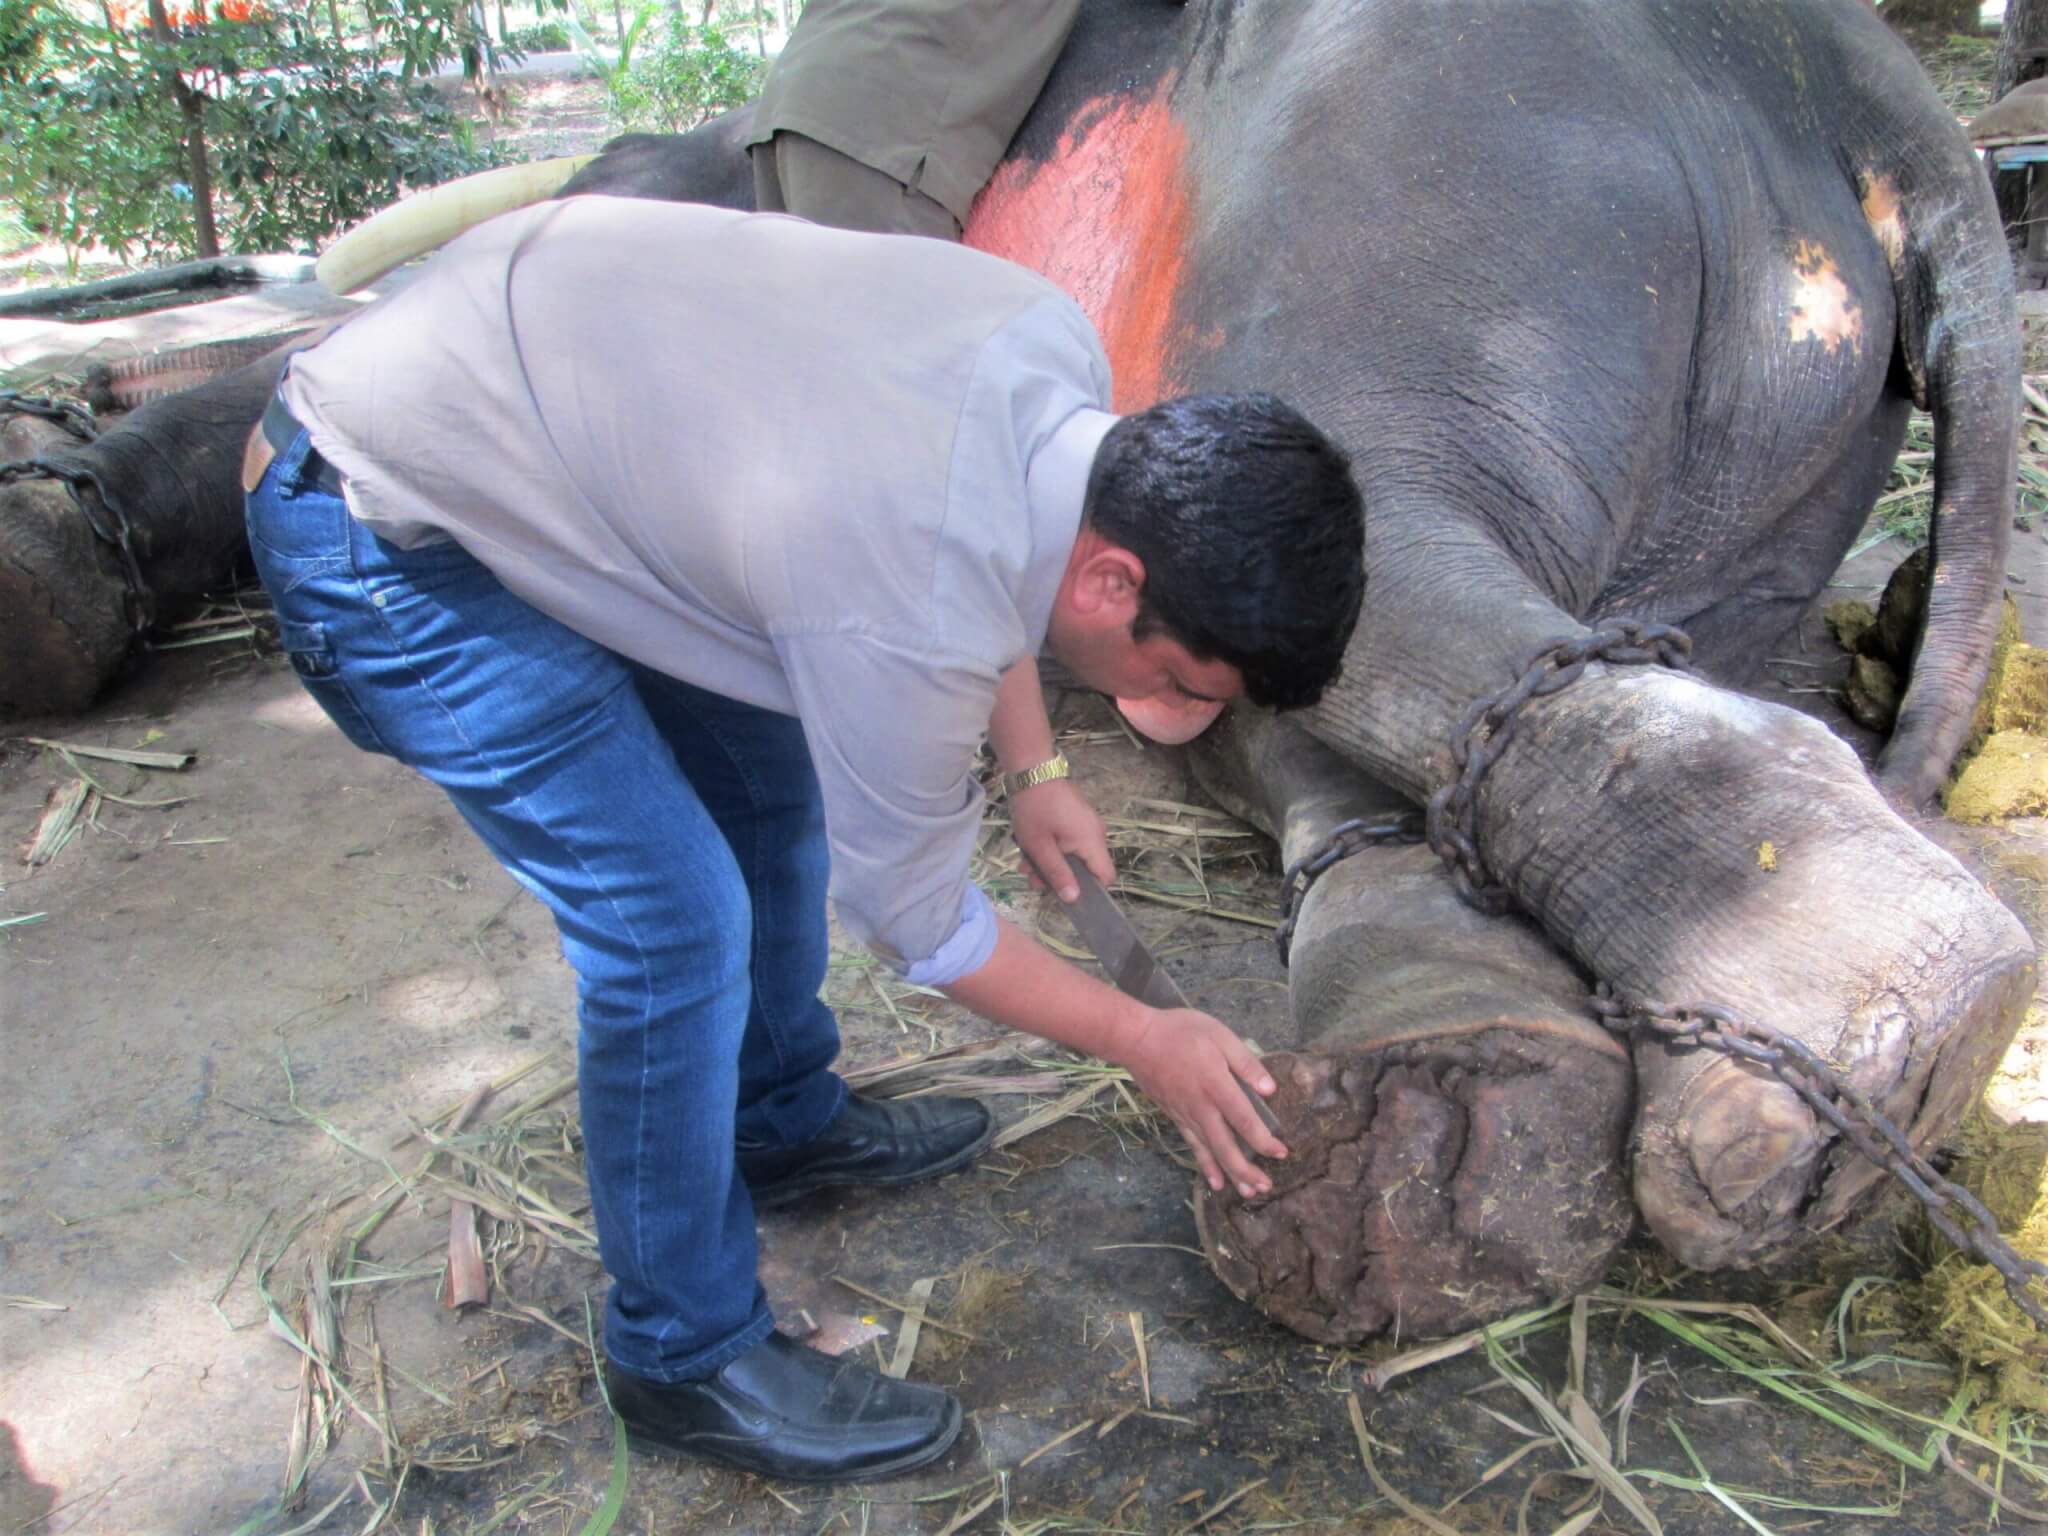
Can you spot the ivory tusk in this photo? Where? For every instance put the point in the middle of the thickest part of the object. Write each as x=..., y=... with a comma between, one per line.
x=430, y=219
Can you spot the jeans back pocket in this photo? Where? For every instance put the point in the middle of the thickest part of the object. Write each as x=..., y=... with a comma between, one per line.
x=312, y=657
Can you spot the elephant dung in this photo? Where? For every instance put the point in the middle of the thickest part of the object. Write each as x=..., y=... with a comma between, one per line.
x=2019, y=698
x=2005, y=761
x=1849, y=621
x=2018, y=715
x=1901, y=612
x=1888, y=631
x=1872, y=694
x=2007, y=778
x=1881, y=639
x=1963, y=1302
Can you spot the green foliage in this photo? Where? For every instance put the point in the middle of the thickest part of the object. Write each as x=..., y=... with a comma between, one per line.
x=425, y=34
x=687, y=75
x=303, y=155
x=92, y=143
x=610, y=67
x=21, y=39
x=305, y=136
x=546, y=37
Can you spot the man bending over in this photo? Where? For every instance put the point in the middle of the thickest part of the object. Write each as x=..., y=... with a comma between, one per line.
x=695, y=583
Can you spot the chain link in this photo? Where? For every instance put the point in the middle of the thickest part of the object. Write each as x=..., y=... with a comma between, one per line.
x=1449, y=824
x=102, y=513
x=73, y=417
x=111, y=525
x=1956, y=1214
x=1486, y=728
x=1351, y=837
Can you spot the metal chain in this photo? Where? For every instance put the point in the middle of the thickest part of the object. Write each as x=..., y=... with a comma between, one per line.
x=1351, y=837
x=1483, y=734
x=1449, y=824
x=73, y=417
x=108, y=522
x=1485, y=729
x=1956, y=1213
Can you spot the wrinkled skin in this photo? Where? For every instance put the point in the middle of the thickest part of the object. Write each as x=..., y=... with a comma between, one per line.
x=1620, y=307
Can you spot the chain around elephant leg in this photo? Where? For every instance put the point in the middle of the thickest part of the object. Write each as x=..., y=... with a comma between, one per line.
x=109, y=523
x=1482, y=736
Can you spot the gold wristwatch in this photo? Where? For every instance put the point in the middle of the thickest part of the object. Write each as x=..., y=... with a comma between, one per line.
x=1054, y=767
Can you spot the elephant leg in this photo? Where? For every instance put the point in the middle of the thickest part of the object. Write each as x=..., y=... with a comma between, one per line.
x=63, y=634
x=1455, y=1119
x=1748, y=606
x=1628, y=815
x=1633, y=810
x=172, y=472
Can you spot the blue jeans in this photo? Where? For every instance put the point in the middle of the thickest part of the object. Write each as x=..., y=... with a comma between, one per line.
x=678, y=838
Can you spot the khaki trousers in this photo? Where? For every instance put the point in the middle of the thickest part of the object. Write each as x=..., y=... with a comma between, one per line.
x=795, y=174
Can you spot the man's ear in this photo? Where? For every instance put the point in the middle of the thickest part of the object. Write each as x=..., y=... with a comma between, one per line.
x=1109, y=583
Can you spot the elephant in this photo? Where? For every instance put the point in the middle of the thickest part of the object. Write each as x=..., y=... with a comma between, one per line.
x=1620, y=308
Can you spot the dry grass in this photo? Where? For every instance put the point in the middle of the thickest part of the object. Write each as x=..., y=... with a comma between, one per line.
x=1962, y=69
x=1902, y=511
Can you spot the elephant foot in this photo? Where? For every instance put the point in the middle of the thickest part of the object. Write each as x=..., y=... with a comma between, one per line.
x=1456, y=1121
x=1694, y=847
x=1731, y=1164
x=63, y=635
x=1431, y=1186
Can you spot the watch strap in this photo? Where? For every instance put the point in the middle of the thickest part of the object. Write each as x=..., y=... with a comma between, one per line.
x=1054, y=767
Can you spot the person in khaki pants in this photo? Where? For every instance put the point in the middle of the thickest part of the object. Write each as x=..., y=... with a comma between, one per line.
x=890, y=115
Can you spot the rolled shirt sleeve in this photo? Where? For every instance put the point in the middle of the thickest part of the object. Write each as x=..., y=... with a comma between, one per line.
x=893, y=731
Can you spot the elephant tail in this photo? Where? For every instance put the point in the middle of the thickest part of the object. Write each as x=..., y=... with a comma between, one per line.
x=1958, y=341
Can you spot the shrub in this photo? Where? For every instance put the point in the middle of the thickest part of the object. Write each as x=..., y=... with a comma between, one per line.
x=21, y=39
x=303, y=135
x=687, y=75
x=546, y=37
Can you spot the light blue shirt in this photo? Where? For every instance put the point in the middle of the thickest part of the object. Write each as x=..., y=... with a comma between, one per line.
x=834, y=475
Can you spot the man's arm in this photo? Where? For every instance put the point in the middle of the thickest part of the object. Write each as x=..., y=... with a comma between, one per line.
x=1191, y=1064
x=1053, y=819
x=903, y=821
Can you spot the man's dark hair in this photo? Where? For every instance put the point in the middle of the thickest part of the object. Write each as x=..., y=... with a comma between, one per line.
x=1251, y=531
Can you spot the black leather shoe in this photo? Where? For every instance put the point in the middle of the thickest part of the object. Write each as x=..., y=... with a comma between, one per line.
x=784, y=1411
x=874, y=1141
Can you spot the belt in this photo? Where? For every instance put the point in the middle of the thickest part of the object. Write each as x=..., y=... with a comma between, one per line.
x=280, y=428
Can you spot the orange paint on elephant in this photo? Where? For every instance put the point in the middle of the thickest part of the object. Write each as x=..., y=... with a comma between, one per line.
x=1106, y=218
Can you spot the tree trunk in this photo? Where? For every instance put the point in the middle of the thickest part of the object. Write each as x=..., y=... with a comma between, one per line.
x=334, y=18
x=192, y=106
x=2022, y=56
x=504, y=32
x=619, y=22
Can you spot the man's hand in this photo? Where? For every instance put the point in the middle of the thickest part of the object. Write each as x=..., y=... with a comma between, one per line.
x=1194, y=1068
x=1198, y=1072
x=1052, y=820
